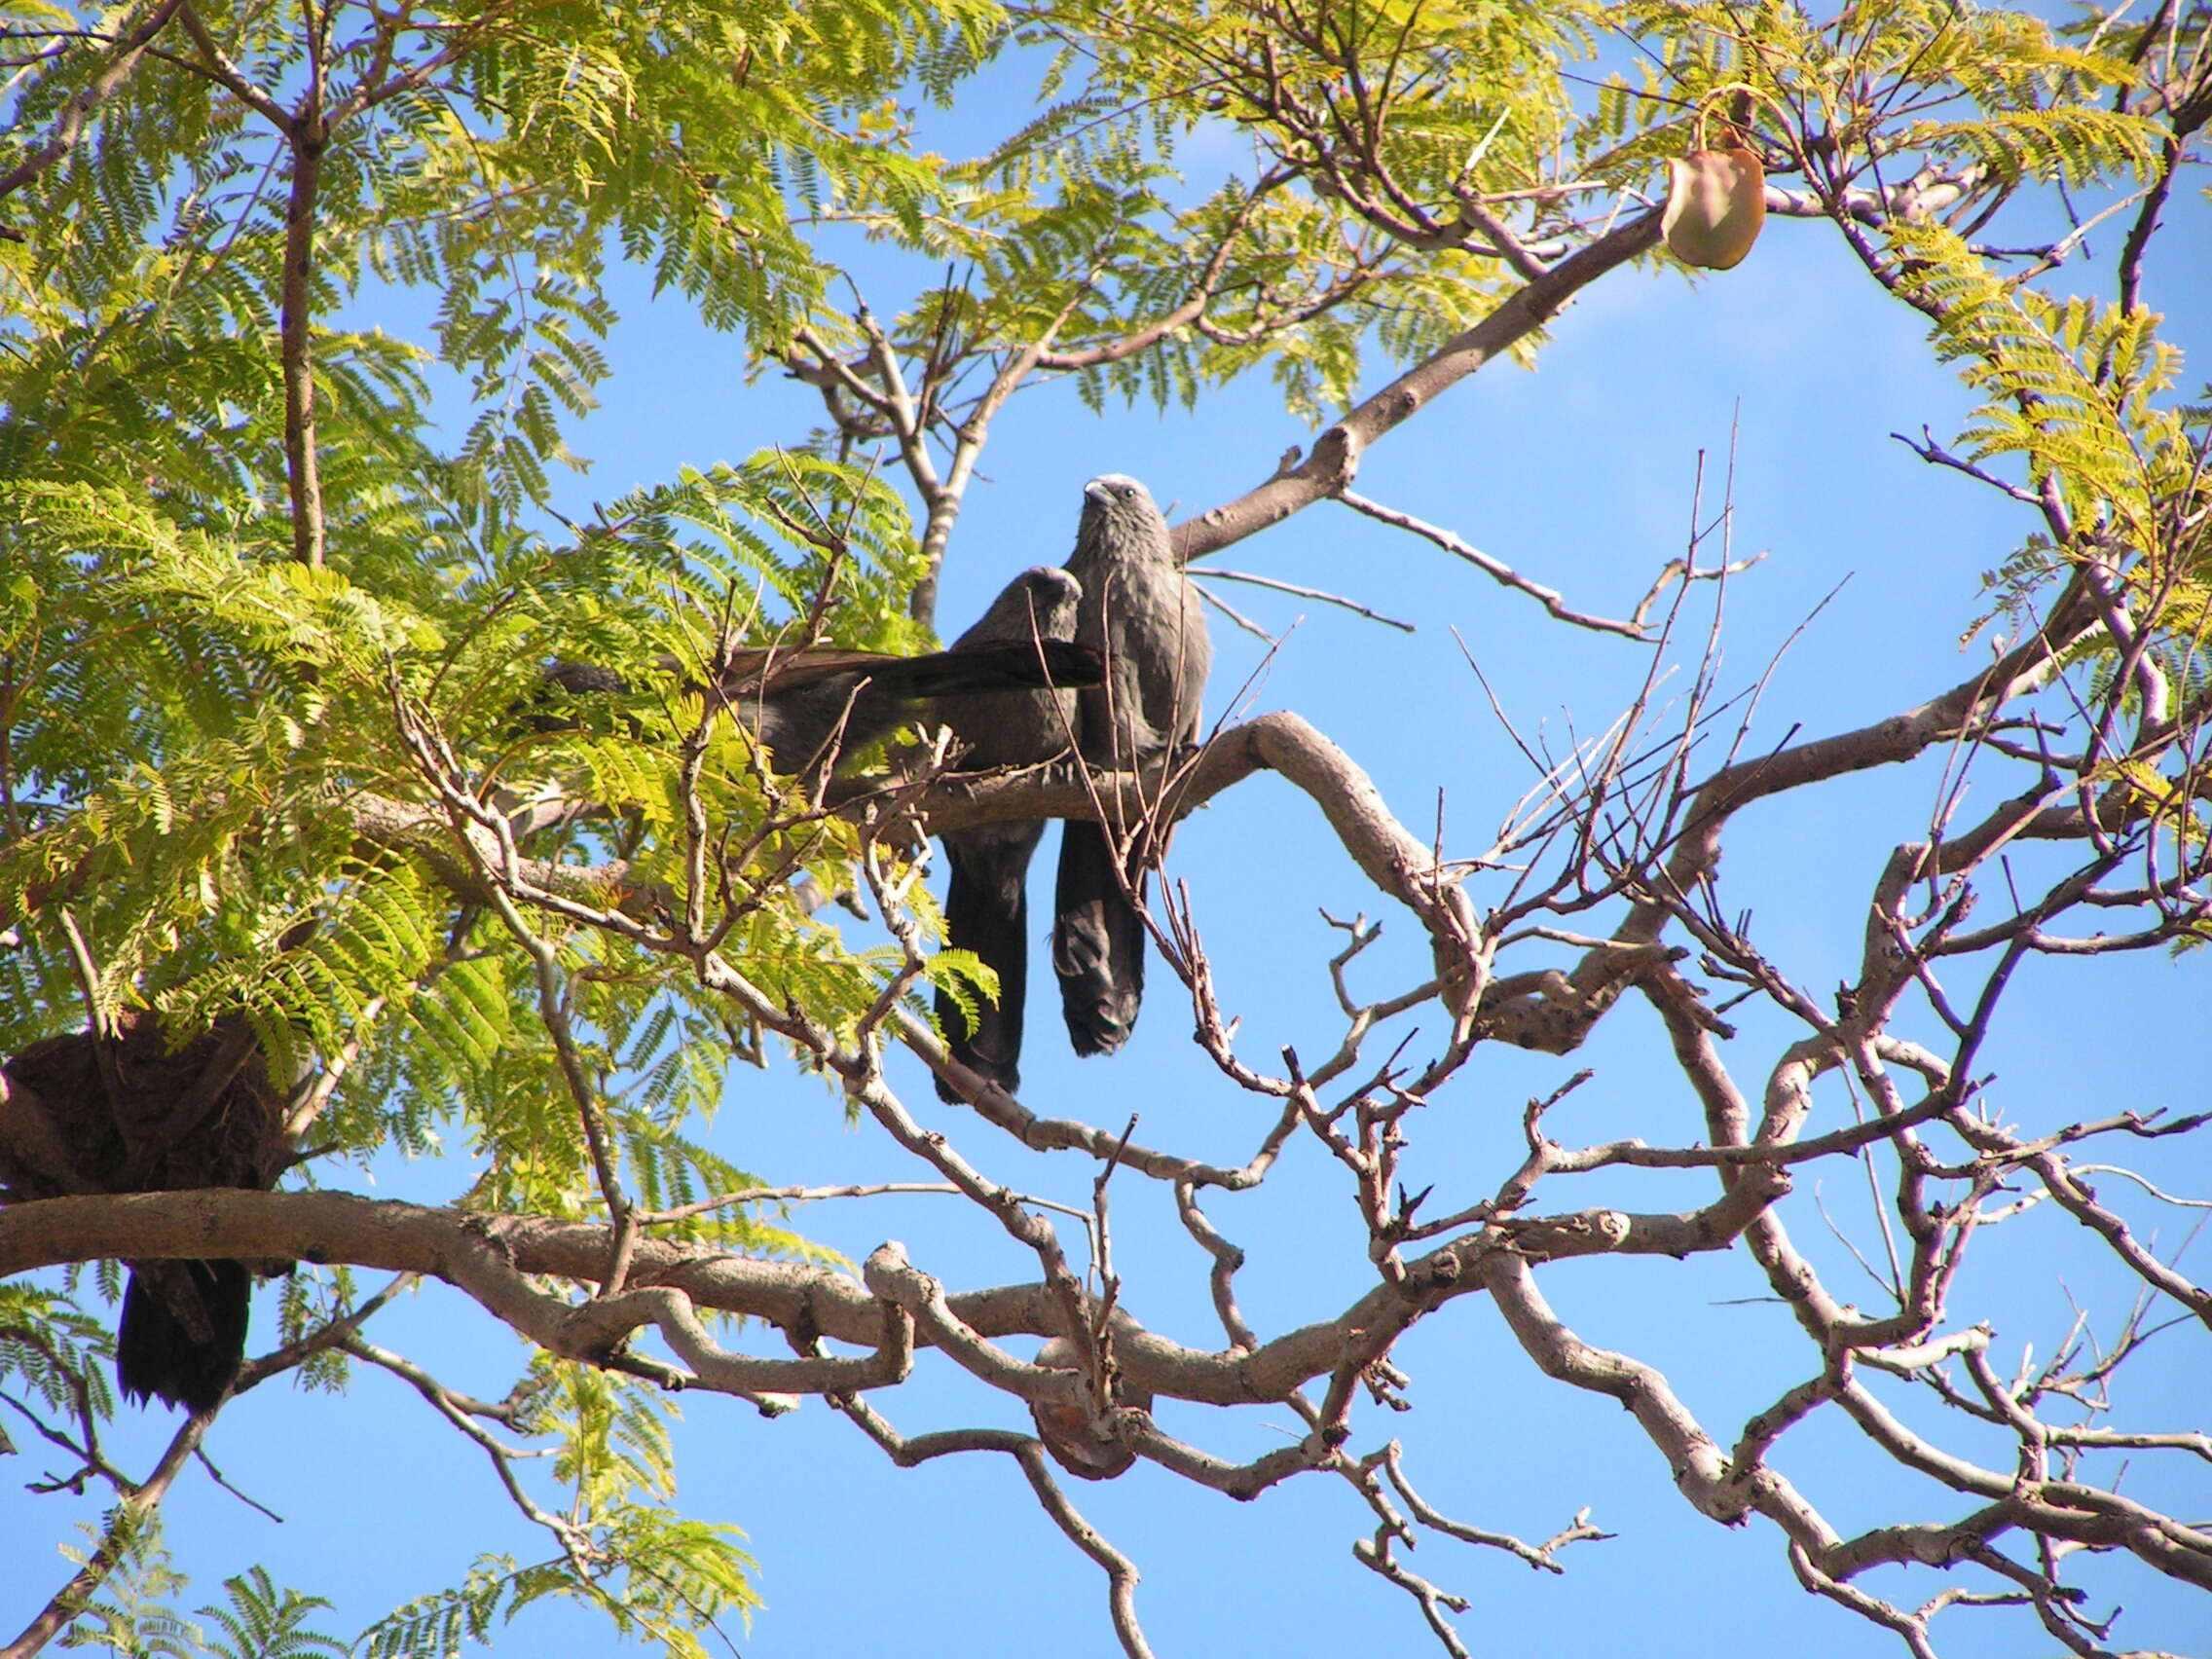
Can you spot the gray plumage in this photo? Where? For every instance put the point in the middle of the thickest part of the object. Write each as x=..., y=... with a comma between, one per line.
x=1142, y=611
x=986, y=905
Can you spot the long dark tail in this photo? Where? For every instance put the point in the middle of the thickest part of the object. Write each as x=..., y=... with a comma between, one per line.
x=1097, y=943
x=801, y=719
x=986, y=911
x=997, y=665
x=183, y=1330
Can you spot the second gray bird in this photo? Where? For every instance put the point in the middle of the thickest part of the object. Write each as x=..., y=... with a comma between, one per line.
x=986, y=903
x=1144, y=613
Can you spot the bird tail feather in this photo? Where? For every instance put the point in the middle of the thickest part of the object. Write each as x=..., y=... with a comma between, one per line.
x=986, y=911
x=1097, y=943
x=1000, y=665
x=182, y=1334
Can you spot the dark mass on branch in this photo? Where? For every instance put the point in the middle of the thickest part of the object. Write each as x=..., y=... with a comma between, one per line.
x=126, y=1113
x=986, y=903
x=1076, y=1434
x=1005, y=689
x=1145, y=616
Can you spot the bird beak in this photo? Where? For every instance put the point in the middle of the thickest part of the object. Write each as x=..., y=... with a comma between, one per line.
x=1096, y=491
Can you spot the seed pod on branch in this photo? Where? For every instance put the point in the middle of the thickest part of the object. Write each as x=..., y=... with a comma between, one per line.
x=1716, y=204
x=1716, y=194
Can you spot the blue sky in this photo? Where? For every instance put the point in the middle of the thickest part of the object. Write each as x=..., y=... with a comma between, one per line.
x=1794, y=370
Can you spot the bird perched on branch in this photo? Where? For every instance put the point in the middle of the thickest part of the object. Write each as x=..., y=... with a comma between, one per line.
x=124, y=1113
x=1007, y=690
x=986, y=905
x=1142, y=611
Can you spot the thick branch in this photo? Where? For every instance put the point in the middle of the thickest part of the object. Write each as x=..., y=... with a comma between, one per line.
x=1336, y=456
x=303, y=471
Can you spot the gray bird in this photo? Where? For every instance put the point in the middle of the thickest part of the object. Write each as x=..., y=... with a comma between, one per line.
x=1142, y=611
x=1007, y=688
x=986, y=902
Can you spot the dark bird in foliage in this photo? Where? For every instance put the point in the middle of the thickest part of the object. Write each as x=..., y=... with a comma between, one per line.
x=87, y=1113
x=986, y=905
x=1142, y=611
x=812, y=705
x=1007, y=690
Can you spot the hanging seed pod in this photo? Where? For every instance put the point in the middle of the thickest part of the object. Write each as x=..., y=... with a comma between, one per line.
x=1716, y=204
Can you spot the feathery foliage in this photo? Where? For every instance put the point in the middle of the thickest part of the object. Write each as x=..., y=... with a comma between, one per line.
x=279, y=589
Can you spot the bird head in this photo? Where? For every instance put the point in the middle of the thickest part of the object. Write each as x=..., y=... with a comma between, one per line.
x=1115, y=489
x=1119, y=509
x=1051, y=596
